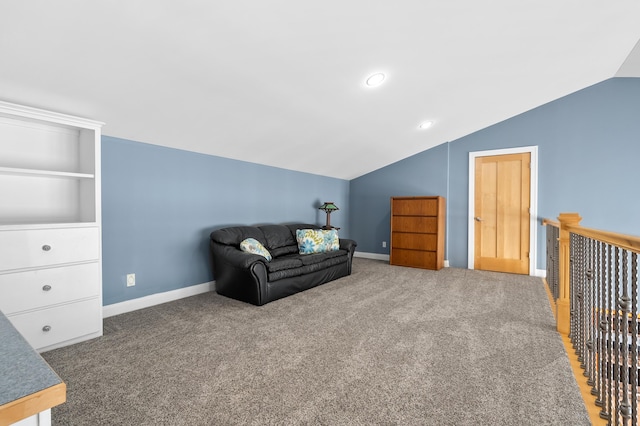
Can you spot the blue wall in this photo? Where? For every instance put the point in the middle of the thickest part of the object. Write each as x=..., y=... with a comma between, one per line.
x=421, y=174
x=160, y=204
x=589, y=157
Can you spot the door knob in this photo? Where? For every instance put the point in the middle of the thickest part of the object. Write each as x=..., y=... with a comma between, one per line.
x=478, y=219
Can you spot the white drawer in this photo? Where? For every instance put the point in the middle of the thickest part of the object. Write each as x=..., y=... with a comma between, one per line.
x=52, y=326
x=42, y=247
x=21, y=291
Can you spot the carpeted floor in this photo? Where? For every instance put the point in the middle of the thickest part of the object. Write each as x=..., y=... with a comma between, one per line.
x=385, y=346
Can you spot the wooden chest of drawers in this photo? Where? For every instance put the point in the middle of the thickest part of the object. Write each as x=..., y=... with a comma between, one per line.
x=417, y=232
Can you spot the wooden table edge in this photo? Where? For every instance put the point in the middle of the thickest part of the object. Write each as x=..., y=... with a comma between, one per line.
x=27, y=406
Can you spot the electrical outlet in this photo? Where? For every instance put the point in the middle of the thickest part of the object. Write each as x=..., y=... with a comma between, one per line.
x=384, y=244
x=131, y=280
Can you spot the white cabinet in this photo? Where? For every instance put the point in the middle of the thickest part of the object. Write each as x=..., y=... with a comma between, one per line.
x=50, y=225
x=41, y=419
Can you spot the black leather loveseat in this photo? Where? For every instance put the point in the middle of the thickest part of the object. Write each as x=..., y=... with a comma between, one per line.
x=254, y=279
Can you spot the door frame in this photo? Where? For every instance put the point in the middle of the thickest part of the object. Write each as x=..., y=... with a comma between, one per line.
x=533, y=202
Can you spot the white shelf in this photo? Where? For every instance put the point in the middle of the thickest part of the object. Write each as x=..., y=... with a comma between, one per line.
x=45, y=224
x=45, y=173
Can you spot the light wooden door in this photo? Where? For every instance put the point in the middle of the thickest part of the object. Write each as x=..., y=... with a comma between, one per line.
x=502, y=202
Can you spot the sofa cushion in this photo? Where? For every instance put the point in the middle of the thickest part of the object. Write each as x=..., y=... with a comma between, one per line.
x=281, y=239
x=277, y=236
x=317, y=240
x=283, y=251
x=282, y=263
x=251, y=245
x=310, y=259
x=305, y=269
x=234, y=235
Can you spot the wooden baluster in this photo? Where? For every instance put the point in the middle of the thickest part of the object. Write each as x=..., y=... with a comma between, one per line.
x=563, y=306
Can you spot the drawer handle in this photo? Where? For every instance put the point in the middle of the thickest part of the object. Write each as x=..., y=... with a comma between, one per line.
x=46, y=247
x=46, y=287
x=46, y=328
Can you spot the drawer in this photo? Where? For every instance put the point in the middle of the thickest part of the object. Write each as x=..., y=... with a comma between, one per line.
x=52, y=326
x=415, y=224
x=415, y=207
x=414, y=241
x=415, y=258
x=21, y=291
x=43, y=247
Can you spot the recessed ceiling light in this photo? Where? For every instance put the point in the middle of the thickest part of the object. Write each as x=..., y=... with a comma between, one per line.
x=375, y=79
x=425, y=125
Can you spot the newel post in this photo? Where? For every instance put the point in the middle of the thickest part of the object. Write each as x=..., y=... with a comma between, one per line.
x=563, y=304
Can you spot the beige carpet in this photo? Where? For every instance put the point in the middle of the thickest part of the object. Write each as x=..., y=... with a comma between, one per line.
x=385, y=346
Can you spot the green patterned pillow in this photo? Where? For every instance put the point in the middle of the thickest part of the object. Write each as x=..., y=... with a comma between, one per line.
x=251, y=245
x=317, y=240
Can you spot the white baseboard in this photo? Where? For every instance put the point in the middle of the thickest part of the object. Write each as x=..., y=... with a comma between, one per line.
x=542, y=273
x=156, y=299
x=378, y=256
x=375, y=256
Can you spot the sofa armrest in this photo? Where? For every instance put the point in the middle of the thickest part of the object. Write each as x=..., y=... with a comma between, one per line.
x=348, y=245
x=236, y=257
x=239, y=275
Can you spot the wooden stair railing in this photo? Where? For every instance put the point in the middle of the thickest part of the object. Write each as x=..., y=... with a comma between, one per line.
x=592, y=276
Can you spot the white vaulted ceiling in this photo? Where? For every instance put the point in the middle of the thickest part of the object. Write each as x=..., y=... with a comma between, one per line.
x=281, y=82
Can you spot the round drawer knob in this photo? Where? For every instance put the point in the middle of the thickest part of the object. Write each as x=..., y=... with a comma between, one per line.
x=46, y=287
x=46, y=247
x=46, y=328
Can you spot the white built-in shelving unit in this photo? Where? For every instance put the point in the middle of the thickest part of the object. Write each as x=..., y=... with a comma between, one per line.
x=50, y=225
